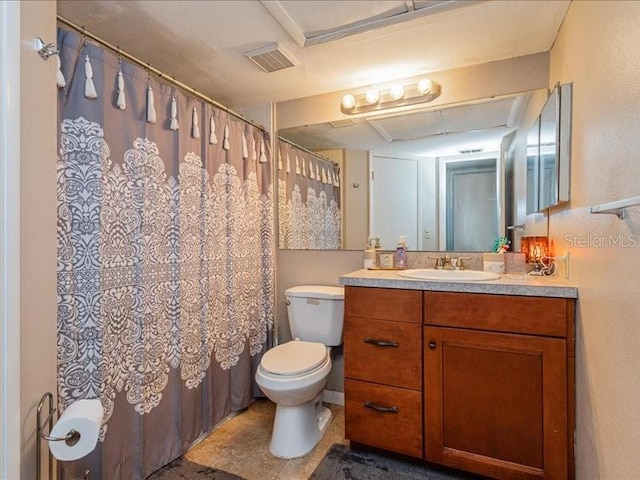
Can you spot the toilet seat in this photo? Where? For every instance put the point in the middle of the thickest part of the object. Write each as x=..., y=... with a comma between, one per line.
x=294, y=358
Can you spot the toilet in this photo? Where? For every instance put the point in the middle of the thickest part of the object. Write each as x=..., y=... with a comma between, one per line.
x=292, y=375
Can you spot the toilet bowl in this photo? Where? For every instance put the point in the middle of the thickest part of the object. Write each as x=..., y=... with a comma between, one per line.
x=292, y=375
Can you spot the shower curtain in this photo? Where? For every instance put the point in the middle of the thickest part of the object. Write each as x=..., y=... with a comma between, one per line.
x=309, y=214
x=165, y=260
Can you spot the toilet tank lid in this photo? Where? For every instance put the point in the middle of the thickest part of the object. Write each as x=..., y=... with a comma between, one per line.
x=315, y=291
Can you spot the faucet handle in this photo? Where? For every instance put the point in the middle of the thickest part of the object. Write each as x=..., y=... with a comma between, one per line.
x=460, y=262
x=439, y=262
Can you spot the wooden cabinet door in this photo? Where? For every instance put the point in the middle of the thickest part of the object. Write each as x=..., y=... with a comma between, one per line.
x=496, y=404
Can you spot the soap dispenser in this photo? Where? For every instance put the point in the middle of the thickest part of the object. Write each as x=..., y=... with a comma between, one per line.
x=400, y=260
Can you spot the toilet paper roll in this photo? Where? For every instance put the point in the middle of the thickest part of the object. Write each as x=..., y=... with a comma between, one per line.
x=83, y=417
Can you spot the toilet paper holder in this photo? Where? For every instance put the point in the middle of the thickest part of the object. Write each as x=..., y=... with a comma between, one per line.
x=71, y=438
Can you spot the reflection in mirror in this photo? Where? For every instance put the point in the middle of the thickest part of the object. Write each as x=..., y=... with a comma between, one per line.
x=395, y=176
x=548, y=152
x=471, y=199
x=548, y=159
x=309, y=214
x=533, y=154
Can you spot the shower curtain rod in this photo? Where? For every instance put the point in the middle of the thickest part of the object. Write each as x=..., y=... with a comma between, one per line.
x=155, y=71
x=335, y=164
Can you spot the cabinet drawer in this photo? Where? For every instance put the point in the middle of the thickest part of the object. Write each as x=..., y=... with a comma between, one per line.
x=499, y=313
x=383, y=352
x=384, y=417
x=383, y=304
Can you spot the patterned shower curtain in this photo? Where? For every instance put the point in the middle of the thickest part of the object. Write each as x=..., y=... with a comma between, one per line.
x=165, y=260
x=308, y=200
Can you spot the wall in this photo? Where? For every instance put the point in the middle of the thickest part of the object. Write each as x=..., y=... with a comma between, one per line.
x=597, y=49
x=38, y=254
x=313, y=267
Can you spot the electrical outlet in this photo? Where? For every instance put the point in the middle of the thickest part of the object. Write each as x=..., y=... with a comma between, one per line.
x=427, y=234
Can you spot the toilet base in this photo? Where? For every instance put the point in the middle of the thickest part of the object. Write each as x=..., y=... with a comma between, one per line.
x=298, y=428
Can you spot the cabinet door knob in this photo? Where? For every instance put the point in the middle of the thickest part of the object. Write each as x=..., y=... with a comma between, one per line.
x=381, y=343
x=379, y=408
x=432, y=345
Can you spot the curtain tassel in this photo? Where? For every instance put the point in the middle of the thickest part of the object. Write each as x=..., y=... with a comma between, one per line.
x=312, y=174
x=288, y=164
x=298, y=172
x=89, y=87
x=254, y=150
x=122, y=102
x=213, y=140
x=60, y=81
x=195, y=127
x=245, y=150
x=225, y=143
x=174, y=125
x=304, y=167
x=151, y=109
x=263, y=153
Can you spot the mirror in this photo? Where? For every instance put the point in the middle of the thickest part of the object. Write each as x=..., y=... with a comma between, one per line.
x=548, y=152
x=431, y=174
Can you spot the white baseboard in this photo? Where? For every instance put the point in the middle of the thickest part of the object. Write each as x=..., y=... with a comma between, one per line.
x=331, y=396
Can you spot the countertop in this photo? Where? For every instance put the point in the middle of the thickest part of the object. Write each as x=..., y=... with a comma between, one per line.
x=526, y=285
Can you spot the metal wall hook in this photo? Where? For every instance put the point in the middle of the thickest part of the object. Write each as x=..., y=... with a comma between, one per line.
x=45, y=50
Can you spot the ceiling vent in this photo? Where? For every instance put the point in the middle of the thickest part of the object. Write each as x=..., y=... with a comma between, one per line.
x=270, y=58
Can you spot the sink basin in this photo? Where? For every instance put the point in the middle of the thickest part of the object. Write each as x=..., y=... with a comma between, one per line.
x=449, y=275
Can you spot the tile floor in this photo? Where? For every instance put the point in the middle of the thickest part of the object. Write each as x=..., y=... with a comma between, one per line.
x=240, y=446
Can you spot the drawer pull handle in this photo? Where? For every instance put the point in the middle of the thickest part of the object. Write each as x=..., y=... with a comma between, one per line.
x=378, y=408
x=381, y=343
x=432, y=345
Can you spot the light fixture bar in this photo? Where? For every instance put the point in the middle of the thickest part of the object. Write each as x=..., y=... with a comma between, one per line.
x=352, y=104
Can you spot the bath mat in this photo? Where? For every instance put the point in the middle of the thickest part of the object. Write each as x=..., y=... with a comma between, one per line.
x=181, y=468
x=342, y=463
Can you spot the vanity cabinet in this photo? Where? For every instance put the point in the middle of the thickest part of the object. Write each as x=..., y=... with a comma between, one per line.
x=383, y=369
x=495, y=393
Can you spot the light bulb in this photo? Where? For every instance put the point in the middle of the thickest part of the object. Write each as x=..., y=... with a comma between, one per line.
x=372, y=96
x=348, y=101
x=396, y=92
x=424, y=86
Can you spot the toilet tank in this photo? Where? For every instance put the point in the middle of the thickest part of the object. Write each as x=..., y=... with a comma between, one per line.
x=316, y=313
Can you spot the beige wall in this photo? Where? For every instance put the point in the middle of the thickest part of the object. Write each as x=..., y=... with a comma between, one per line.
x=597, y=49
x=313, y=267
x=38, y=224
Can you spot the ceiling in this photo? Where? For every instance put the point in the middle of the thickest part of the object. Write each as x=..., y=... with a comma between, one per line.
x=333, y=45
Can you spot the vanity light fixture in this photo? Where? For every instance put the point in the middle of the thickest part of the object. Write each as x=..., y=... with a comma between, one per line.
x=397, y=96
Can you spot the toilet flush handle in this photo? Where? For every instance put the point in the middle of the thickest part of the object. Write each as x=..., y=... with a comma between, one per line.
x=287, y=302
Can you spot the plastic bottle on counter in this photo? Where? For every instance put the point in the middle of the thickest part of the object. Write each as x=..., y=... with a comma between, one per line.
x=400, y=259
x=369, y=257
